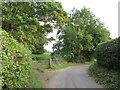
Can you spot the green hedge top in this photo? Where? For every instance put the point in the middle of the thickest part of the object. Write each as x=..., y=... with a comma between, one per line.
x=107, y=54
x=15, y=60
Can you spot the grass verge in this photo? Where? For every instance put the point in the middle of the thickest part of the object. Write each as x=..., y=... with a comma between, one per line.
x=65, y=65
x=104, y=76
x=41, y=69
x=34, y=81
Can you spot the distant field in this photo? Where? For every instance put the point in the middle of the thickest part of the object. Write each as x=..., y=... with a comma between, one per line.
x=44, y=56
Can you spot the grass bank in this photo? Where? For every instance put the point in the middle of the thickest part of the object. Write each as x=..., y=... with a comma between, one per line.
x=65, y=65
x=109, y=78
x=34, y=81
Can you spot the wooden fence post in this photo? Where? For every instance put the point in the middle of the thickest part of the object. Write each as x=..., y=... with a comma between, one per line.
x=50, y=63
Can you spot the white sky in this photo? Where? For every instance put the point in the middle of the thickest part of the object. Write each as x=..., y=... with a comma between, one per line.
x=106, y=10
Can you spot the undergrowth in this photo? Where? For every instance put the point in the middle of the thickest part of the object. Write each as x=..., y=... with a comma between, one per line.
x=108, y=78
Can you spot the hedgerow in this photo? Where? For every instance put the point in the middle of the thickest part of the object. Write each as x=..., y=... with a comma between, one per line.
x=107, y=54
x=15, y=61
x=104, y=76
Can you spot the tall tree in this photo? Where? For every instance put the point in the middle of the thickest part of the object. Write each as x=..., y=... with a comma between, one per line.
x=30, y=22
x=81, y=36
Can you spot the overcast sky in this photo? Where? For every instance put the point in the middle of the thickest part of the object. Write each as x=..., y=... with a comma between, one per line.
x=106, y=10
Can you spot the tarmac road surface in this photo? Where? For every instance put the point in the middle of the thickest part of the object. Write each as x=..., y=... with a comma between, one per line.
x=73, y=77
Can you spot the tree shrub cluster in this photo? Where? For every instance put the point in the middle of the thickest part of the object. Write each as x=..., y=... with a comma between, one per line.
x=30, y=22
x=26, y=25
x=107, y=54
x=104, y=76
x=79, y=38
x=16, y=62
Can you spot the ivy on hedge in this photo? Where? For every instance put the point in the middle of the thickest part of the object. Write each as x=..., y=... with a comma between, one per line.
x=107, y=54
x=15, y=61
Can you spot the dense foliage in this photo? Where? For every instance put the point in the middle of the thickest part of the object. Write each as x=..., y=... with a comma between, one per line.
x=107, y=54
x=81, y=36
x=15, y=62
x=104, y=76
x=30, y=22
x=27, y=25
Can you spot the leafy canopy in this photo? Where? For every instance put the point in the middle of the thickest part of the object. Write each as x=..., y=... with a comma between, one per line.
x=81, y=36
x=30, y=22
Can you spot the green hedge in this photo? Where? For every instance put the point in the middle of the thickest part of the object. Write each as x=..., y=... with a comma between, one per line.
x=107, y=54
x=15, y=60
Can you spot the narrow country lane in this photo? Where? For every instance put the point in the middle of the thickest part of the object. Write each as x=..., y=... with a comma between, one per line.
x=72, y=77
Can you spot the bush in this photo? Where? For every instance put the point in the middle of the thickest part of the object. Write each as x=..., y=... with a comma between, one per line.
x=104, y=76
x=16, y=60
x=107, y=54
x=58, y=59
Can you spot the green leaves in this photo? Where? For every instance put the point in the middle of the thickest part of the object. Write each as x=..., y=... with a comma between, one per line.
x=81, y=35
x=104, y=76
x=107, y=54
x=23, y=21
x=16, y=61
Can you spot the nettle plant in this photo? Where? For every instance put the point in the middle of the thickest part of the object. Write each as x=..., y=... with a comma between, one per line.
x=15, y=60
